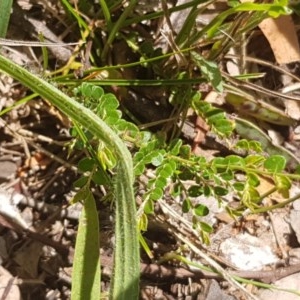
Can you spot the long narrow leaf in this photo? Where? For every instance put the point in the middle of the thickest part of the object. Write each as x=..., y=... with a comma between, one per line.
x=86, y=267
x=127, y=243
x=5, y=10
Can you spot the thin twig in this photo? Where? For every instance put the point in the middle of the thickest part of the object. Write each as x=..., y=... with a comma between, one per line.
x=257, y=88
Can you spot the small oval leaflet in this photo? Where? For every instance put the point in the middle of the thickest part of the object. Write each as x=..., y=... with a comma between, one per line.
x=275, y=163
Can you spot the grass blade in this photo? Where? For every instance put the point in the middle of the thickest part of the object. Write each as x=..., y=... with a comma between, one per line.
x=5, y=9
x=86, y=267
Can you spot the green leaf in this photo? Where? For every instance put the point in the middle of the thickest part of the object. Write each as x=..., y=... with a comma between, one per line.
x=220, y=191
x=276, y=11
x=176, y=189
x=160, y=182
x=79, y=183
x=223, y=127
x=149, y=207
x=5, y=11
x=195, y=191
x=186, y=205
x=73, y=132
x=89, y=94
x=275, y=163
x=185, y=151
x=208, y=174
x=173, y=165
x=79, y=196
x=214, y=117
x=254, y=161
x=90, y=91
x=228, y=175
x=175, y=146
x=86, y=264
x=109, y=102
x=143, y=157
x=186, y=174
x=250, y=197
x=86, y=164
x=253, y=180
x=147, y=48
x=219, y=164
x=255, y=146
x=129, y=129
x=234, y=160
x=233, y=3
x=85, y=89
x=145, y=137
x=106, y=157
x=139, y=169
x=206, y=227
x=210, y=71
x=156, y=194
x=143, y=222
x=239, y=186
x=100, y=178
x=157, y=160
x=283, y=185
x=220, y=161
x=207, y=190
x=204, y=237
x=242, y=144
x=166, y=170
x=97, y=92
x=201, y=210
x=201, y=106
x=214, y=114
x=111, y=117
x=216, y=178
x=200, y=161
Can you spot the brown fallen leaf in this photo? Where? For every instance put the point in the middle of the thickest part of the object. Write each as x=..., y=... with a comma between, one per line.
x=282, y=36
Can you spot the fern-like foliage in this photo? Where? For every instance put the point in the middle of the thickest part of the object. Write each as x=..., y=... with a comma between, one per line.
x=172, y=168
